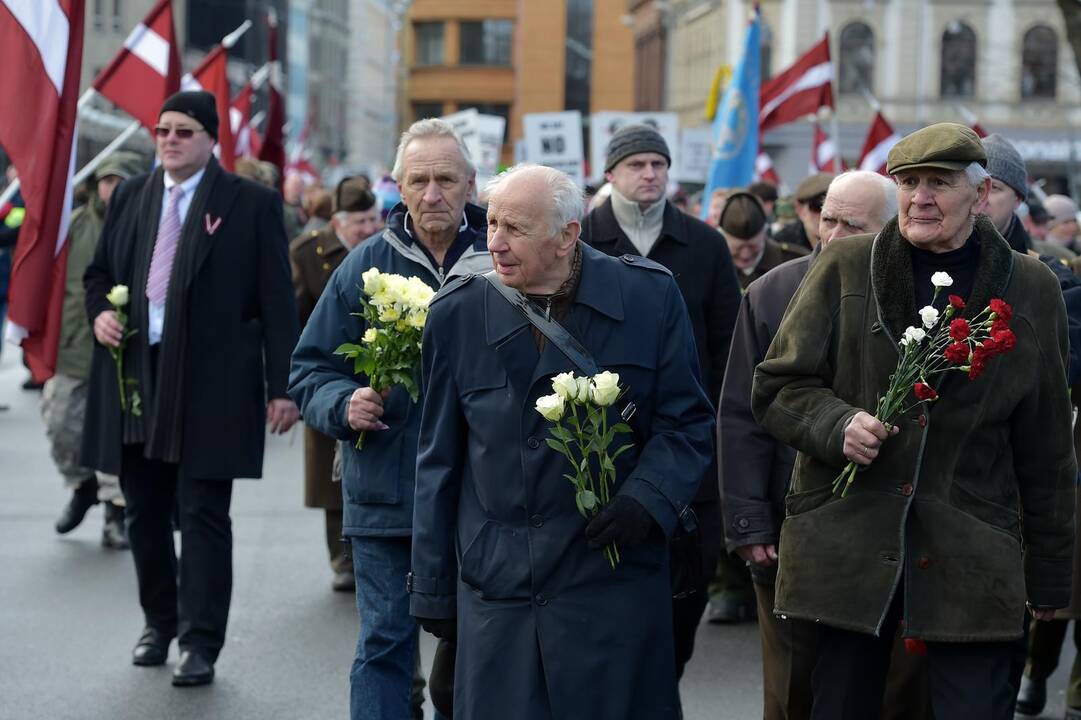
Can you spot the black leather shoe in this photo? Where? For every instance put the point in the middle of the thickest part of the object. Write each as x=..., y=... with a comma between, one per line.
x=725, y=609
x=193, y=669
x=152, y=648
x=113, y=533
x=1032, y=696
x=84, y=498
x=344, y=581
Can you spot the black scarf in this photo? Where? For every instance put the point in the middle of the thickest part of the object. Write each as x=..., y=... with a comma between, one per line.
x=161, y=426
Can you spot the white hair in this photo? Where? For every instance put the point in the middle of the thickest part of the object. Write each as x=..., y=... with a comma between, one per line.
x=567, y=197
x=884, y=184
x=427, y=128
x=976, y=174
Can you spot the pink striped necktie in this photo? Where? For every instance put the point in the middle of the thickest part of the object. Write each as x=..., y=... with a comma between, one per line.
x=161, y=264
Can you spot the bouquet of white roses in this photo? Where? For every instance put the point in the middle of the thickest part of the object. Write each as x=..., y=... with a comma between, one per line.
x=585, y=441
x=118, y=298
x=395, y=309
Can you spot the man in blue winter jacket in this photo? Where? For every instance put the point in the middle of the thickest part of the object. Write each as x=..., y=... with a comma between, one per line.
x=434, y=234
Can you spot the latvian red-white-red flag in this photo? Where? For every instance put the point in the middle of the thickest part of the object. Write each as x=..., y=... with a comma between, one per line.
x=273, y=150
x=800, y=90
x=823, y=153
x=146, y=71
x=880, y=139
x=41, y=49
x=240, y=122
x=211, y=76
x=764, y=171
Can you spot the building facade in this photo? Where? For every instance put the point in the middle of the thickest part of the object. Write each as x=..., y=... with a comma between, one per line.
x=1005, y=63
x=514, y=57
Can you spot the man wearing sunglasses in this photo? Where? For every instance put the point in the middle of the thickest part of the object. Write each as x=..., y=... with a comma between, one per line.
x=210, y=323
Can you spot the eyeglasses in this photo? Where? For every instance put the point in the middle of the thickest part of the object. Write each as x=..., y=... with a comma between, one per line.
x=181, y=132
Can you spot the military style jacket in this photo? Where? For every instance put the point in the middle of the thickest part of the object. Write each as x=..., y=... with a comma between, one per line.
x=969, y=510
x=497, y=539
x=314, y=257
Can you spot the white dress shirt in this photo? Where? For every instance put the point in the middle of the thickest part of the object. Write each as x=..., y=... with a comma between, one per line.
x=157, y=311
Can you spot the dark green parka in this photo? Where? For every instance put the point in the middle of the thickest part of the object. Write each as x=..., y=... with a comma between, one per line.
x=972, y=503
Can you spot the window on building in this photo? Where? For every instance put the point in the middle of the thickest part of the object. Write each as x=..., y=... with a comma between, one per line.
x=429, y=40
x=958, y=61
x=118, y=16
x=423, y=110
x=1039, y=63
x=650, y=49
x=99, y=14
x=485, y=43
x=857, y=59
x=765, y=43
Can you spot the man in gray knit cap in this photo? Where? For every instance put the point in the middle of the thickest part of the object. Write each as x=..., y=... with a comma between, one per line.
x=1009, y=188
x=638, y=220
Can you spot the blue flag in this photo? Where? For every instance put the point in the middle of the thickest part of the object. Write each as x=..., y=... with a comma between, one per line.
x=735, y=125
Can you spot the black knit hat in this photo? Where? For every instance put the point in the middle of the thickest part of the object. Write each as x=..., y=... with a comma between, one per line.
x=196, y=104
x=633, y=139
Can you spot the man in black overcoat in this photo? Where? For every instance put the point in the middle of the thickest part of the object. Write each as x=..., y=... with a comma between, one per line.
x=203, y=256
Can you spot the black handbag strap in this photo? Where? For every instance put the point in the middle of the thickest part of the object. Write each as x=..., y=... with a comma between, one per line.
x=556, y=333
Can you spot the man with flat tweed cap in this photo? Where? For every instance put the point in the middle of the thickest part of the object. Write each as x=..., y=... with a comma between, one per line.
x=960, y=515
x=314, y=256
x=744, y=226
x=807, y=201
x=638, y=220
x=203, y=255
x=63, y=400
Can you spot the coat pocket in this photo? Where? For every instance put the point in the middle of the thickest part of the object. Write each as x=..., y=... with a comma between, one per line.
x=806, y=500
x=1000, y=516
x=374, y=475
x=495, y=564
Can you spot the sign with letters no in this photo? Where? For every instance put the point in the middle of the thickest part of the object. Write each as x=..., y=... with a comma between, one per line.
x=555, y=140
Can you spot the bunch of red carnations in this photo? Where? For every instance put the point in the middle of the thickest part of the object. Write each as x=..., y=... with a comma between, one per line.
x=946, y=342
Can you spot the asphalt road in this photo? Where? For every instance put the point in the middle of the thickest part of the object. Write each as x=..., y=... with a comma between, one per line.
x=69, y=613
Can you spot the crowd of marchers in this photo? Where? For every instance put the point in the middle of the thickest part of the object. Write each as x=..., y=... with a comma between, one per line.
x=751, y=348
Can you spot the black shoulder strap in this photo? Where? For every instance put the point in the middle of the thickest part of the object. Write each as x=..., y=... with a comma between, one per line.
x=556, y=333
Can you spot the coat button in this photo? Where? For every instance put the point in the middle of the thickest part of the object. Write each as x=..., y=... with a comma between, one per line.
x=922, y=420
x=924, y=563
x=743, y=523
x=533, y=443
x=536, y=521
x=541, y=600
x=907, y=489
x=326, y=266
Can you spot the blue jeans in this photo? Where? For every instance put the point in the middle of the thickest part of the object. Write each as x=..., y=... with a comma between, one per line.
x=381, y=679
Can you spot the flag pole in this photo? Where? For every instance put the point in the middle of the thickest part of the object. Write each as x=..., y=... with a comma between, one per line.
x=112, y=147
x=835, y=130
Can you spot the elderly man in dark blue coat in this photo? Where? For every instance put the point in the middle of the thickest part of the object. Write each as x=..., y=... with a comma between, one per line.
x=436, y=236
x=546, y=627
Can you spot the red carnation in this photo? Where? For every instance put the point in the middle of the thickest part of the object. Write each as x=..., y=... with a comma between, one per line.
x=1004, y=340
x=979, y=360
x=915, y=646
x=1002, y=309
x=959, y=329
x=957, y=353
x=998, y=326
x=956, y=302
x=924, y=391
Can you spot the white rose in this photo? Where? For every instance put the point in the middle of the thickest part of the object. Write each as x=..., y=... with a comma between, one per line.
x=118, y=296
x=551, y=407
x=913, y=335
x=929, y=315
x=565, y=386
x=582, y=393
x=941, y=279
x=605, y=388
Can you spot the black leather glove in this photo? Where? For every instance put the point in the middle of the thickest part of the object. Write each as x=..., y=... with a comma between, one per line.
x=624, y=521
x=442, y=628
